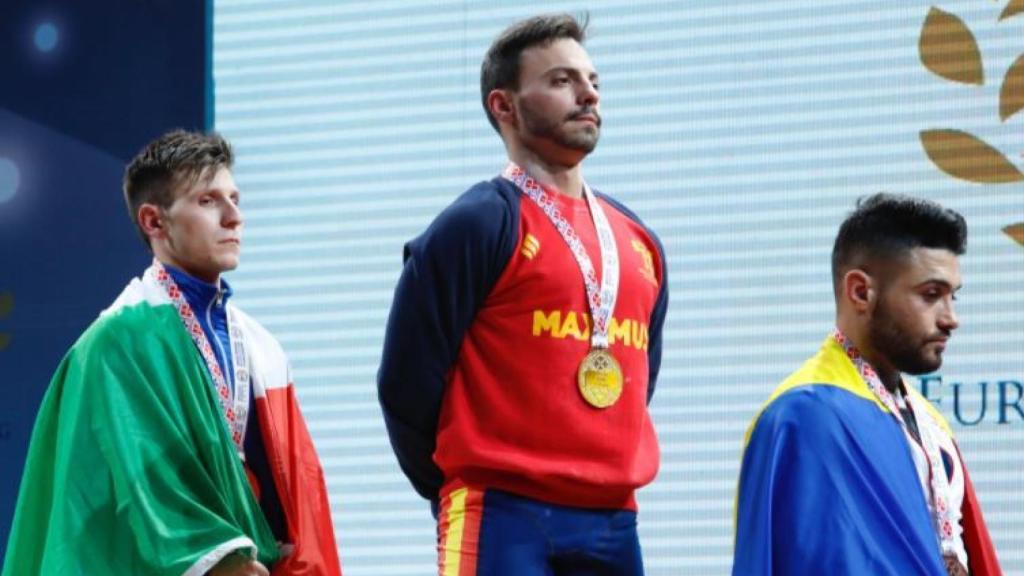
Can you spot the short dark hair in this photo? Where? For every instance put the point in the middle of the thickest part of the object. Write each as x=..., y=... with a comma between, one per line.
x=500, y=68
x=888, y=226
x=177, y=158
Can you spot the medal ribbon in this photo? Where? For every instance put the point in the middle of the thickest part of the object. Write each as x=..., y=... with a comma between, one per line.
x=235, y=406
x=937, y=480
x=601, y=298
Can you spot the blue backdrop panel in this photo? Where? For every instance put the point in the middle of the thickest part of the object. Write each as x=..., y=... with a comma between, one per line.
x=85, y=85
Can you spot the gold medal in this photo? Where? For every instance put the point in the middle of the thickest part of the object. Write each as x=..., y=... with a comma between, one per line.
x=600, y=378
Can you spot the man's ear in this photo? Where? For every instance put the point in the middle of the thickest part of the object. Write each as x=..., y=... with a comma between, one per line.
x=499, y=103
x=859, y=290
x=151, y=221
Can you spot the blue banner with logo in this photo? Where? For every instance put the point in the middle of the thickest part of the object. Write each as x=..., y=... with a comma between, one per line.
x=86, y=85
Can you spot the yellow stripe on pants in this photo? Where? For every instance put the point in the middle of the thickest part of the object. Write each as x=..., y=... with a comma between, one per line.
x=453, y=538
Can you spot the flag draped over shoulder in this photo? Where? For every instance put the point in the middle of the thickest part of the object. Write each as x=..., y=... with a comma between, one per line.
x=828, y=485
x=311, y=549
x=131, y=469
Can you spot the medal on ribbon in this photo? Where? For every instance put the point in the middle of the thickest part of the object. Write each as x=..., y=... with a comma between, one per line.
x=599, y=376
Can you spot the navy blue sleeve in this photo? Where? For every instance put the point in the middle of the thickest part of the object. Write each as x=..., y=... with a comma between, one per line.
x=657, y=321
x=449, y=270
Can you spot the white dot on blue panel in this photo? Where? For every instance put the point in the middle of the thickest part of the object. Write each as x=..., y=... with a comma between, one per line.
x=46, y=37
x=9, y=179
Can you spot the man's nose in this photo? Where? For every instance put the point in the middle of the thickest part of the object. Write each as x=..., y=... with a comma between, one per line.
x=588, y=94
x=947, y=319
x=232, y=215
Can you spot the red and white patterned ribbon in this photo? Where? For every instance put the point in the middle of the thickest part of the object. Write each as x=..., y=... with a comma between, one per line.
x=601, y=297
x=929, y=433
x=235, y=405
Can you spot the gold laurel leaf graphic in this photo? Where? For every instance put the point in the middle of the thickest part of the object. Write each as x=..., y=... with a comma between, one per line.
x=1012, y=9
x=965, y=157
x=1011, y=94
x=1016, y=231
x=948, y=48
x=5, y=339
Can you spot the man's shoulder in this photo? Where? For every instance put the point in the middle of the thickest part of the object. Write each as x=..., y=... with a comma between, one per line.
x=617, y=204
x=816, y=418
x=129, y=319
x=822, y=412
x=824, y=390
x=253, y=329
x=482, y=202
x=484, y=215
x=121, y=350
x=629, y=214
x=495, y=191
x=267, y=358
x=140, y=290
x=802, y=403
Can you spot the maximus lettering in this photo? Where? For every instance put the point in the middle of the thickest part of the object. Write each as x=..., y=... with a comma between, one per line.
x=628, y=332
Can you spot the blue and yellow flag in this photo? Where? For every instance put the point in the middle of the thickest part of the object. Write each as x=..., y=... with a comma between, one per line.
x=828, y=485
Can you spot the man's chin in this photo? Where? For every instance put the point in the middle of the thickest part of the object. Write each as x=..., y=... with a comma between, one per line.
x=585, y=145
x=582, y=140
x=228, y=264
x=587, y=141
x=924, y=366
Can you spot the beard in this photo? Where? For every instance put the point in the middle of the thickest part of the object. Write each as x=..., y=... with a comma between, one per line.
x=889, y=338
x=583, y=140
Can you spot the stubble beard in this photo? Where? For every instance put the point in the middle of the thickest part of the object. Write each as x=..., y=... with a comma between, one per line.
x=888, y=338
x=584, y=140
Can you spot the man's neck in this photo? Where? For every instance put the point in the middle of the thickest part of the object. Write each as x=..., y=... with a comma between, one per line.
x=170, y=262
x=890, y=379
x=887, y=374
x=198, y=292
x=567, y=180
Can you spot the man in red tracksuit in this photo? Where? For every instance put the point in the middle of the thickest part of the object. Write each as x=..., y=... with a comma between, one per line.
x=524, y=340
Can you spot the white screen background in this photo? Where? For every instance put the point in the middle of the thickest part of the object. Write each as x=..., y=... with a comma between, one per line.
x=742, y=132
